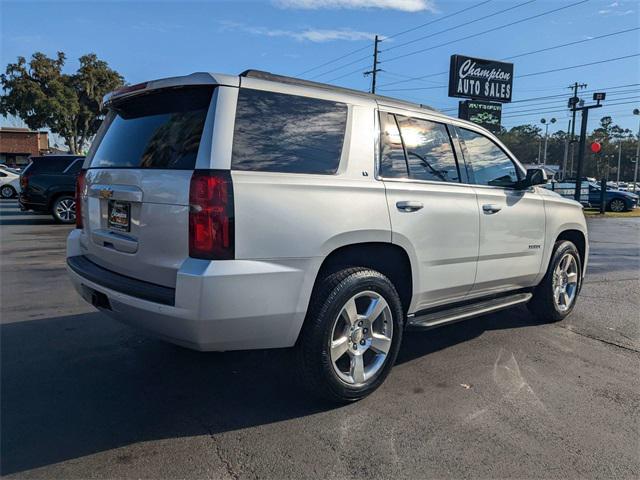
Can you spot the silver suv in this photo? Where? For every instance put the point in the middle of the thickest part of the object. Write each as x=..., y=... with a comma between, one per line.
x=259, y=211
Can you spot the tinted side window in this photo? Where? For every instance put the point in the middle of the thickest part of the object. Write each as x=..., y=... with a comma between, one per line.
x=429, y=152
x=393, y=163
x=3, y=174
x=275, y=132
x=489, y=164
x=75, y=167
x=51, y=165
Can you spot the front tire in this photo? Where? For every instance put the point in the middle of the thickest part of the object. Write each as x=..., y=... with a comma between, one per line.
x=555, y=297
x=63, y=209
x=7, y=191
x=351, y=335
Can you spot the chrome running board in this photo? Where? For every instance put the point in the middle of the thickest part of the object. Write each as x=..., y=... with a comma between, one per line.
x=455, y=314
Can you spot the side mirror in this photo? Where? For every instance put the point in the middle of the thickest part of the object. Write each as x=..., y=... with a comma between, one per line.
x=535, y=176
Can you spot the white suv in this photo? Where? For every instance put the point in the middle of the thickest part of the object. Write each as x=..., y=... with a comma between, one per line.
x=258, y=211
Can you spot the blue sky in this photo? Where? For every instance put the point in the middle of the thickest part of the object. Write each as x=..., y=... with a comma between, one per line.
x=149, y=39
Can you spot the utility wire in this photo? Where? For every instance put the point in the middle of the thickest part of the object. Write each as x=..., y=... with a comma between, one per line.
x=634, y=102
x=499, y=27
x=546, y=49
x=358, y=70
x=563, y=98
x=561, y=95
x=578, y=66
x=337, y=59
x=334, y=60
x=541, y=108
x=526, y=74
x=458, y=26
x=341, y=67
x=438, y=20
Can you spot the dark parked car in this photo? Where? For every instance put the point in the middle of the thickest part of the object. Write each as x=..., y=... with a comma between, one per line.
x=616, y=200
x=48, y=186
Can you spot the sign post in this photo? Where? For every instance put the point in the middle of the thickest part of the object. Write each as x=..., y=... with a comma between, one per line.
x=598, y=97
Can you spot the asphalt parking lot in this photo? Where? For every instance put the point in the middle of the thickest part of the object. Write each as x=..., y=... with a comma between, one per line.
x=498, y=396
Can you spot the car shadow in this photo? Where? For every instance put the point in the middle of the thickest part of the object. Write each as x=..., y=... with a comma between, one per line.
x=11, y=212
x=27, y=221
x=81, y=384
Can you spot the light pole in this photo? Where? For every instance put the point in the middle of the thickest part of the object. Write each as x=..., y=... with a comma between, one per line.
x=546, y=136
x=605, y=165
x=632, y=160
x=539, y=150
x=635, y=171
x=607, y=158
x=619, y=156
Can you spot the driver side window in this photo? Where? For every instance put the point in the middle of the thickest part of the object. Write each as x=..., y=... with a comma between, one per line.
x=489, y=164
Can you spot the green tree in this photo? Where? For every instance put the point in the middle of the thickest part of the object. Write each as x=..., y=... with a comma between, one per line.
x=609, y=131
x=523, y=141
x=68, y=104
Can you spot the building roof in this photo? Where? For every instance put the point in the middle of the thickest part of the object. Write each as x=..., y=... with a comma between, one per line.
x=20, y=130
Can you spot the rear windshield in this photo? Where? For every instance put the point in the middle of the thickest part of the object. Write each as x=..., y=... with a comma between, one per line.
x=156, y=130
x=49, y=164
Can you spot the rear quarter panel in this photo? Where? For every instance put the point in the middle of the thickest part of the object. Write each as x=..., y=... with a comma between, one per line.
x=288, y=217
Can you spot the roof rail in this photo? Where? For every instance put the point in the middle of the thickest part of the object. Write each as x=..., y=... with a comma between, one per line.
x=272, y=77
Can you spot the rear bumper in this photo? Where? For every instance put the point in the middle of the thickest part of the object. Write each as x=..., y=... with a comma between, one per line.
x=136, y=288
x=225, y=305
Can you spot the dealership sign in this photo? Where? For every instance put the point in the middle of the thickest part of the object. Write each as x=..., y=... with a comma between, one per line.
x=480, y=79
x=485, y=114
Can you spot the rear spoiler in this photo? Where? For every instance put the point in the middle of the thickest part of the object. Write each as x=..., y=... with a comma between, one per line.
x=199, y=78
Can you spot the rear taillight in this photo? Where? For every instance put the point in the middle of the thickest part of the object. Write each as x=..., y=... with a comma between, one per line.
x=24, y=181
x=79, y=192
x=211, y=229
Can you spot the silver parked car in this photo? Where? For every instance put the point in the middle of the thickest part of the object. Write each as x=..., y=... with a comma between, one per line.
x=259, y=211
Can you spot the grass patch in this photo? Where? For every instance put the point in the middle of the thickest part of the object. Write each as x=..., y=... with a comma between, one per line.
x=595, y=212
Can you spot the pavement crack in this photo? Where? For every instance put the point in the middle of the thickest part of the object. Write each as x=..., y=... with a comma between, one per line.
x=593, y=337
x=219, y=451
x=227, y=464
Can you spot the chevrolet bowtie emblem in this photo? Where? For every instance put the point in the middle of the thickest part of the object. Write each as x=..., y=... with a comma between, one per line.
x=106, y=193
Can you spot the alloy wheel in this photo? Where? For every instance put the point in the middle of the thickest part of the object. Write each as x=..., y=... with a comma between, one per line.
x=617, y=205
x=361, y=338
x=565, y=282
x=6, y=192
x=66, y=209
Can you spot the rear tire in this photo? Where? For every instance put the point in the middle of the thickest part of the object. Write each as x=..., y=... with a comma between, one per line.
x=351, y=336
x=617, y=205
x=63, y=209
x=7, y=191
x=556, y=295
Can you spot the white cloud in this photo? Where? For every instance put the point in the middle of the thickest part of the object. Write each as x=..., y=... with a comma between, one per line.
x=615, y=9
x=309, y=34
x=609, y=12
x=402, y=5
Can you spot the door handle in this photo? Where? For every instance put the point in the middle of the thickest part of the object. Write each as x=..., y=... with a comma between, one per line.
x=491, y=208
x=409, y=206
